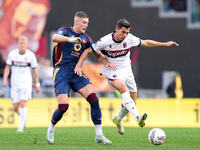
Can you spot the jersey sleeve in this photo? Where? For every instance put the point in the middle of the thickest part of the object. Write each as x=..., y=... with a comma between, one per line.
x=98, y=46
x=9, y=59
x=88, y=41
x=136, y=40
x=33, y=61
x=62, y=31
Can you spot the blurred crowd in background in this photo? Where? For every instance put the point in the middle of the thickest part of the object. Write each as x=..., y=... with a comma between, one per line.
x=28, y=17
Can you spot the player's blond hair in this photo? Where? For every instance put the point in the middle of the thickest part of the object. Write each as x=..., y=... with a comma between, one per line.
x=23, y=37
x=81, y=14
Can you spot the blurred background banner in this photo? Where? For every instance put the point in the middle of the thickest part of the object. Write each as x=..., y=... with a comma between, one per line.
x=99, y=82
x=22, y=17
x=161, y=113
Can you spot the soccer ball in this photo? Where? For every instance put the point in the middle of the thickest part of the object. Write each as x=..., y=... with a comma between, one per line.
x=156, y=136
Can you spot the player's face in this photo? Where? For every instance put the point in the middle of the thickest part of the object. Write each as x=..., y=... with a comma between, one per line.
x=121, y=34
x=22, y=45
x=81, y=25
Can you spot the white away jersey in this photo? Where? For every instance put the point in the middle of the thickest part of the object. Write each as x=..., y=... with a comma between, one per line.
x=117, y=53
x=21, y=68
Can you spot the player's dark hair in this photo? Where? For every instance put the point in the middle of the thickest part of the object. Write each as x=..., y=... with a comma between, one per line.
x=81, y=14
x=123, y=23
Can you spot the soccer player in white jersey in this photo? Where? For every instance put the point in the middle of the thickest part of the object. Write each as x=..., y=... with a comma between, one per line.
x=22, y=62
x=116, y=48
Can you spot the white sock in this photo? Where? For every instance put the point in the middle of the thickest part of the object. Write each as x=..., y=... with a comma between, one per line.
x=51, y=126
x=122, y=112
x=98, y=130
x=23, y=117
x=129, y=104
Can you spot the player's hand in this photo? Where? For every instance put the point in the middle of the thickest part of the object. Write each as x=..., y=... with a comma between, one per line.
x=170, y=43
x=78, y=71
x=5, y=82
x=37, y=89
x=76, y=40
x=110, y=65
x=79, y=40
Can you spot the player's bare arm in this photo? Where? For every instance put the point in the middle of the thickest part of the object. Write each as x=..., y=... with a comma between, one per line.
x=36, y=79
x=62, y=39
x=98, y=55
x=84, y=55
x=151, y=43
x=5, y=75
x=104, y=61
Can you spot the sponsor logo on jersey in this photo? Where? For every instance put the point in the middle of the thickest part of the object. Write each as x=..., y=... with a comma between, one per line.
x=116, y=53
x=20, y=64
x=60, y=32
x=96, y=43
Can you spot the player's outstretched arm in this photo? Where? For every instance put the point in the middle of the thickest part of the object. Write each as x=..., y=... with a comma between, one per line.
x=84, y=55
x=62, y=39
x=151, y=43
x=104, y=61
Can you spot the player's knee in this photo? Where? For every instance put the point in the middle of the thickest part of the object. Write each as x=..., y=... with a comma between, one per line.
x=15, y=108
x=63, y=107
x=92, y=97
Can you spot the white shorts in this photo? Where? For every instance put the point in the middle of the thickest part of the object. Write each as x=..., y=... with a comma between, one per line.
x=20, y=94
x=125, y=74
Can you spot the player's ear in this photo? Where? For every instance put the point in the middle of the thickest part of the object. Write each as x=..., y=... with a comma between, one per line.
x=116, y=29
x=75, y=20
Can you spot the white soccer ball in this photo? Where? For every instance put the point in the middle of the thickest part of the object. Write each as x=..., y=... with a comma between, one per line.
x=156, y=136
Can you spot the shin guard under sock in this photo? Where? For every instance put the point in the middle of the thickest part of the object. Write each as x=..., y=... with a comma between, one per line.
x=57, y=115
x=95, y=108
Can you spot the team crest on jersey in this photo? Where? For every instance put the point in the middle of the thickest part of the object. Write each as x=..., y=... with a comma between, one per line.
x=115, y=76
x=125, y=44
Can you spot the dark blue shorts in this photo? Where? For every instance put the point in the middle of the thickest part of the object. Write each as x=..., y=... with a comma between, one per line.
x=64, y=80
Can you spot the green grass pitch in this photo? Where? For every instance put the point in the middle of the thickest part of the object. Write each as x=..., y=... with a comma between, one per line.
x=82, y=138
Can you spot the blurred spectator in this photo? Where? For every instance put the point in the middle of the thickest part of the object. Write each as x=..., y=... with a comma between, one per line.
x=145, y=0
x=175, y=5
x=195, y=11
x=4, y=91
x=45, y=71
x=171, y=88
x=199, y=86
x=2, y=66
x=174, y=90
